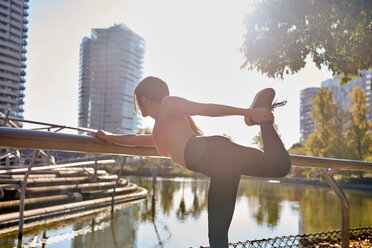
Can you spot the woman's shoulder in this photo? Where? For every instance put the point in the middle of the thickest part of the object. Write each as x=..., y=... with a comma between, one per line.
x=169, y=117
x=169, y=101
x=167, y=113
x=168, y=106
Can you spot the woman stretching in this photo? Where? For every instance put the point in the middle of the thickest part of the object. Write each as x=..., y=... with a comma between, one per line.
x=175, y=135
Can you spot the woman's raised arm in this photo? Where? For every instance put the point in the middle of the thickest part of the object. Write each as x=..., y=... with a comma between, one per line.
x=125, y=139
x=180, y=105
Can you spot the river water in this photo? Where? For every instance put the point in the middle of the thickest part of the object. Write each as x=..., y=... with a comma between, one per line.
x=175, y=216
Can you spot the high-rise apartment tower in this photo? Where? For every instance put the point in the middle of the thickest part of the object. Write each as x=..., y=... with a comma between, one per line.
x=13, y=35
x=340, y=96
x=111, y=64
x=306, y=103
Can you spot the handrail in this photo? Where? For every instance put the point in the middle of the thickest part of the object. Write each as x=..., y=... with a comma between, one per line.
x=32, y=139
x=334, y=163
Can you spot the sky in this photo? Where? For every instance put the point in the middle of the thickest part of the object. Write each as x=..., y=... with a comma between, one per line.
x=192, y=45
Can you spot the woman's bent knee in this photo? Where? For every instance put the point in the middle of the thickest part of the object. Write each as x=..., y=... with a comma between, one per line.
x=279, y=166
x=285, y=166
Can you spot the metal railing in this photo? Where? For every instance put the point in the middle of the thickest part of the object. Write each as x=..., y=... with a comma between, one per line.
x=11, y=121
x=34, y=139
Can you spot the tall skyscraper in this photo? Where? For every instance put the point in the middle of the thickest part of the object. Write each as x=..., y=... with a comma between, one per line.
x=340, y=96
x=306, y=103
x=111, y=64
x=13, y=35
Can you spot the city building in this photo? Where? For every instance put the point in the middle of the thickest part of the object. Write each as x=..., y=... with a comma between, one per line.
x=306, y=121
x=339, y=94
x=111, y=64
x=13, y=35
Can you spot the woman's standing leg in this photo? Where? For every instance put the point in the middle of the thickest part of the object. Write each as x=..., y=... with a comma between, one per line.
x=221, y=203
x=205, y=155
x=225, y=163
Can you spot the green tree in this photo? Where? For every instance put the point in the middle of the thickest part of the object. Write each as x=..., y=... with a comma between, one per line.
x=369, y=157
x=359, y=140
x=281, y=34
x=340, y=134
x=328, y=138
x=299, y=149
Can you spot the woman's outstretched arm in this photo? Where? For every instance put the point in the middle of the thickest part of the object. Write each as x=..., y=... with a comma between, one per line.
x=125, y=139
x=180, y=105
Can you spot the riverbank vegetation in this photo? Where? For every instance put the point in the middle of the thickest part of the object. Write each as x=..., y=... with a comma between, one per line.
x=338, y=134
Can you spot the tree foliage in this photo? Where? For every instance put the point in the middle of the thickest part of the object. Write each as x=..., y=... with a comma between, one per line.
x=337, y=134
x=298, y=149
x=328, y=139
x=280, y=34
x=359, y=140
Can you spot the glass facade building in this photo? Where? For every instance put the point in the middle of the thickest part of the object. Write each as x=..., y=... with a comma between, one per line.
x=111, y=63
x=339, y=94
x=13, y=35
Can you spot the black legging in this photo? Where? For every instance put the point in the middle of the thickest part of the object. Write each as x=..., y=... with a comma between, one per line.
x=224, y=162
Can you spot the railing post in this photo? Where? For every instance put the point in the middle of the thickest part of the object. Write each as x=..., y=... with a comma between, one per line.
x=22, y=197
x=95, y=167
x=7, y=160
x=48, y=154
x=122, y=163
x=19, y=156
x=345, y=211
x=6, y=118
x=48, y=158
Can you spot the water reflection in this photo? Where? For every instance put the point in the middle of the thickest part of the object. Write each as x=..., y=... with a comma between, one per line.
x=116, y=229
x=197, y=206
x=174, y=215
x=264, y=203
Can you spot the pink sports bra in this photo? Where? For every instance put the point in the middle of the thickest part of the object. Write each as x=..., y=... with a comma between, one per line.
x=164, y=130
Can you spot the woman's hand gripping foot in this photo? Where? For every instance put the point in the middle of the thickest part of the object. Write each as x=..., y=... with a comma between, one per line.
x=263, y=100
x=259, y=115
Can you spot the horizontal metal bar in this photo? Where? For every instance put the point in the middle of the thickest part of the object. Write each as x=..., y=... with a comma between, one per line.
x=334, y=163
x=50, y=167
x=46, y=124
x=42, y=128
x=10, y=186
x=4, y=167
x=24, y=138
